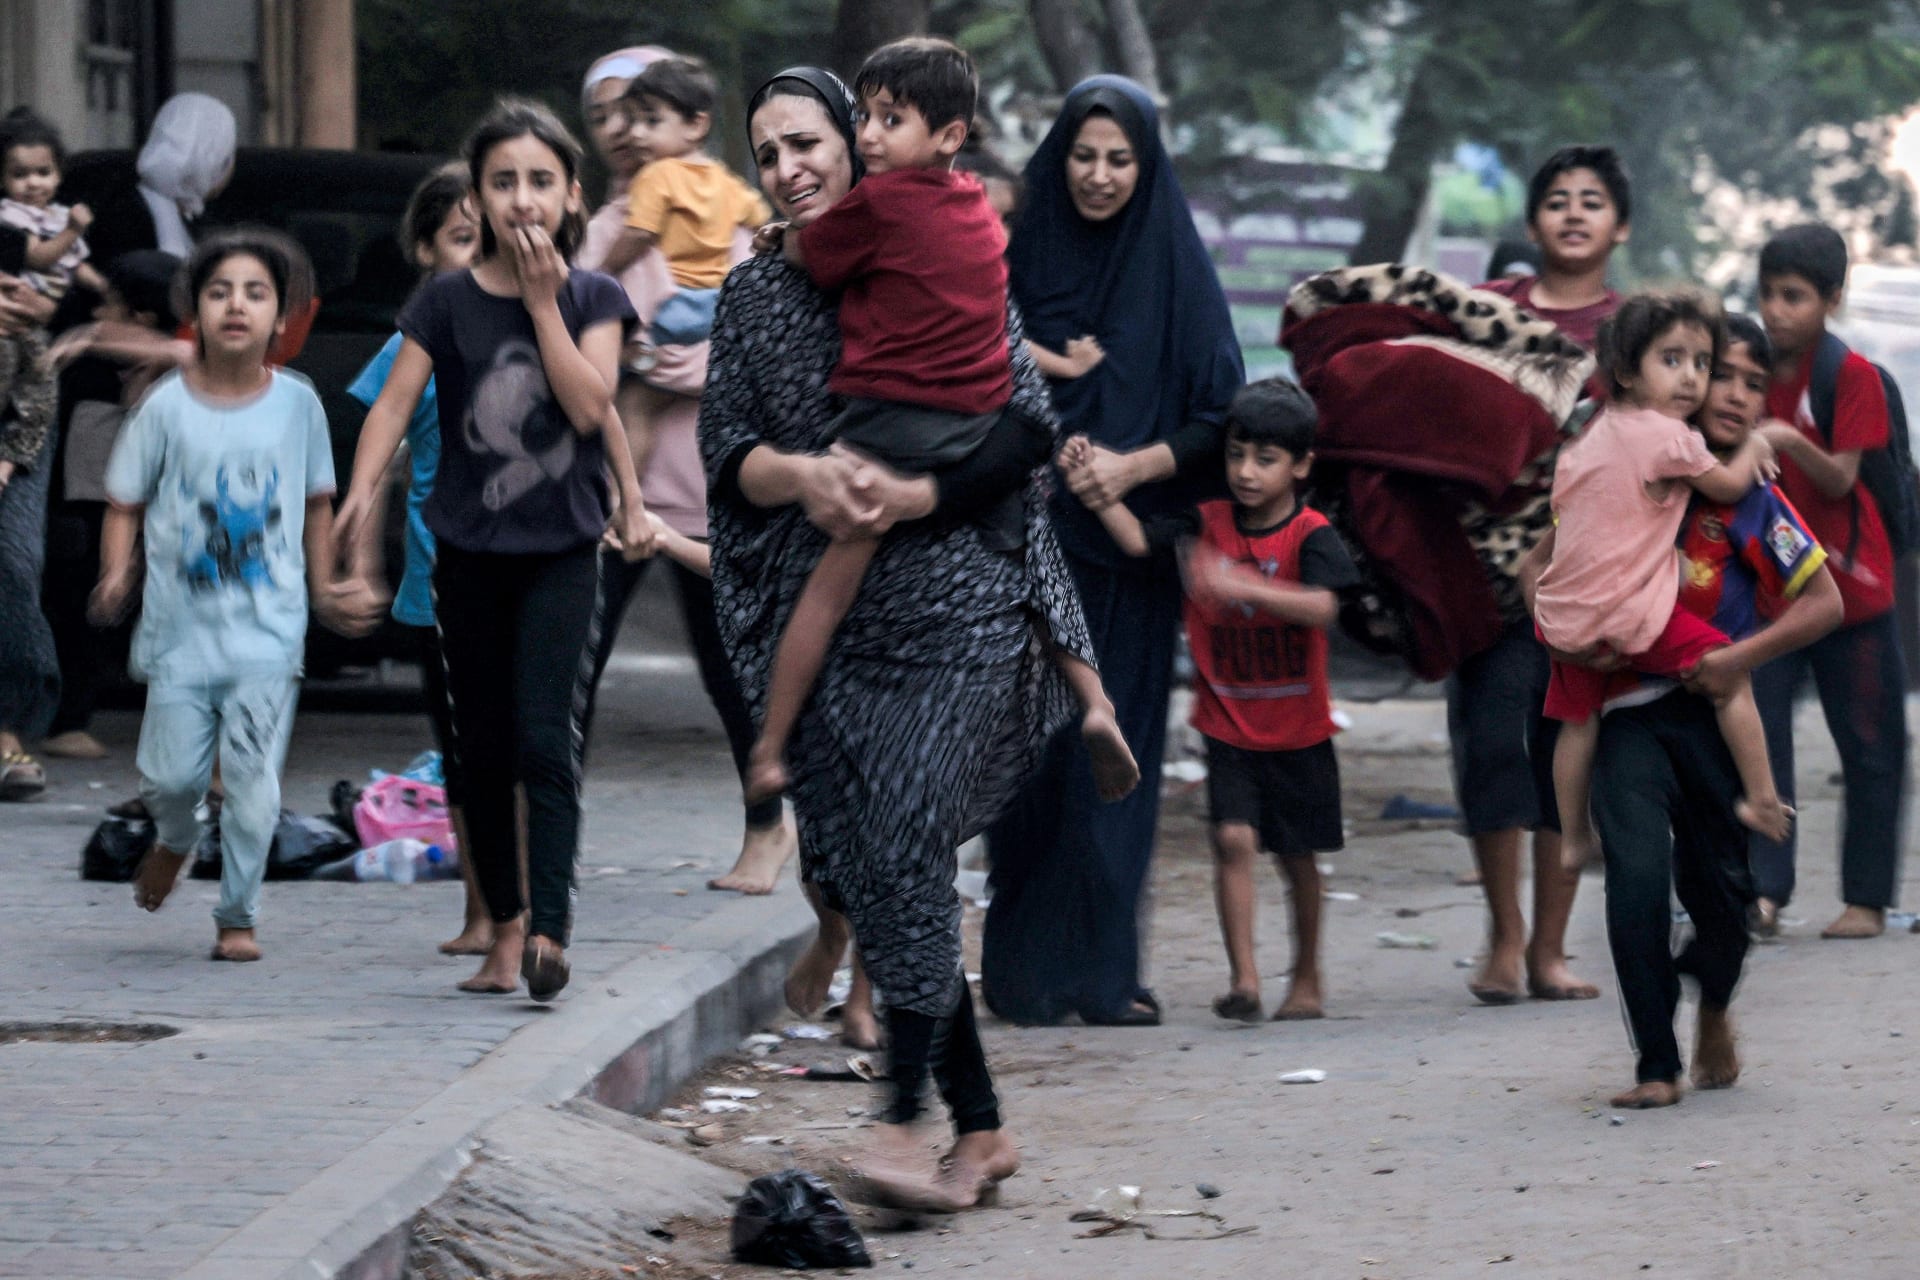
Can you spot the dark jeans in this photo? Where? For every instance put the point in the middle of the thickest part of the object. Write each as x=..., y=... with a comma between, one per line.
x=73, y=566
x=1862, y=685
x=618, y=580
x=951, y=1047
x=514, y=631
x=1664, y=786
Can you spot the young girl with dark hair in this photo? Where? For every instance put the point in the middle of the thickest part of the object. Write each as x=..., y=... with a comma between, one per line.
x=524, y=353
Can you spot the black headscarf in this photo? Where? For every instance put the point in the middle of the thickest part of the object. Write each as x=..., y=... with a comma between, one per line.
x=1141, y=282
x=826, y=88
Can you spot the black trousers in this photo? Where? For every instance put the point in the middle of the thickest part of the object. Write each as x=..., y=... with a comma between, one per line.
x=950, y=1047
x=73, y=566
x=1664, y=786
x=514, y=631
x=1861, y=679
x=618, y=581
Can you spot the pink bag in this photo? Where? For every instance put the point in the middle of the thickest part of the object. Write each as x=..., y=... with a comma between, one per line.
x=397, y=808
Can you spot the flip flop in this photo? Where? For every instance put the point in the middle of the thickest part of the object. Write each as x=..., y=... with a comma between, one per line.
x=21, y=777
x=1237, y=1006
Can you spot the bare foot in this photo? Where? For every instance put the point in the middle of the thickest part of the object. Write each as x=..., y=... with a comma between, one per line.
x=899, y=1173
x=1303, y=1002
x=76, y=745
x=1115, y=773
x=474, y=940
x=812, y=974
x=1716, y=1064
x=859, y=1029
x=1471, y=876
x=236, y=944
x=543, y=963
x=1501, y=979
x=159, y=872
x=766, y=775
x=1857, y=922
x=763, y=853
x=1763, y=919
x=499, y=973
x=982, y=1159
x=1765, y=814
x=1552, y=980
x=1242, y=1004
x=1647, y=1095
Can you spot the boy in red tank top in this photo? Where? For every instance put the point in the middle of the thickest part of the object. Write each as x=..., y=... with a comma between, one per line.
x=1263, y=577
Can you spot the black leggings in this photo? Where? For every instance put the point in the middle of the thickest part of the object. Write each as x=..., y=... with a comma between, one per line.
x=514, y=631
x=433, y=692
x=618, y=579
x=951, y=1047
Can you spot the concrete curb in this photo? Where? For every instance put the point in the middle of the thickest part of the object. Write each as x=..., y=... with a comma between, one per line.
x=627, y=1041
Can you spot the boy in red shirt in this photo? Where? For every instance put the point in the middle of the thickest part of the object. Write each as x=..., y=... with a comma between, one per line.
x=1262, y=589
x=918, y=254
x=1857, y=669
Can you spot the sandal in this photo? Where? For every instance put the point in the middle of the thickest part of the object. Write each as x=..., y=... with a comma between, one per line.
x=544, y=967
x=21, y=777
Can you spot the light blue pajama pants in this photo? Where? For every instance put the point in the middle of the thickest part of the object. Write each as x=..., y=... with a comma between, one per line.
x=249, y=721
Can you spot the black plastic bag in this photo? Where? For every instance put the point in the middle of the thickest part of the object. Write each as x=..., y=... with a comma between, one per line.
x=793, y=1219
x=301, y=846
x=114, y=851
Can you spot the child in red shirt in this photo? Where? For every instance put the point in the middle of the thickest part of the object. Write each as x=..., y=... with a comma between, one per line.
x=1262, y=588
x=919, y=255
x=1858, y=669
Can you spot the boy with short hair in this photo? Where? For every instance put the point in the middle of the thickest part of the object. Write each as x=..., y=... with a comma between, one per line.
x=1263, y=584
x=682, y=199
x=918, y=256
x=1857, y=669
x=1579, y=210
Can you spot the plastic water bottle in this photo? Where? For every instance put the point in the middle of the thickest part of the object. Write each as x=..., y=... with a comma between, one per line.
x=435, y=863
x=395, y=860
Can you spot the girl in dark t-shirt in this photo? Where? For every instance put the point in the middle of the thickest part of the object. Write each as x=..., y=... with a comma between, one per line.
x=524, y=353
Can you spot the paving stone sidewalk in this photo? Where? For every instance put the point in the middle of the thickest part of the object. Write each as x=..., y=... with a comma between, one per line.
x=138, y=1159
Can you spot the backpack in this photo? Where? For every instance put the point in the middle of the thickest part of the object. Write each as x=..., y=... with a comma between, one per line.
x=1888, y=473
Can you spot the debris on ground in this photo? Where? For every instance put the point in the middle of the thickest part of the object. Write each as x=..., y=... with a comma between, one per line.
x=731, y=1092
x=1394, y=941
x=1404, y=808
x=1207, y=1190
x=1118, y=1209
x=1312, y=1075
x=806, y=1031
x=793, y=1219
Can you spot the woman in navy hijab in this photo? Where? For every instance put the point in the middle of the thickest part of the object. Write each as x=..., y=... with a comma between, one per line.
x=1105, y=248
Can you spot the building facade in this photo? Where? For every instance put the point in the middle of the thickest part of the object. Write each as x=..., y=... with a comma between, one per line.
x=99, y=69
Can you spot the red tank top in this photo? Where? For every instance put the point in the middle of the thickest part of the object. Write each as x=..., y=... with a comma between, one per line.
x=1260, y=683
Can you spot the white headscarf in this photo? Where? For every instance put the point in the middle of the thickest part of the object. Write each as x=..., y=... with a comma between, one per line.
x=188, y=152
x=621, y=64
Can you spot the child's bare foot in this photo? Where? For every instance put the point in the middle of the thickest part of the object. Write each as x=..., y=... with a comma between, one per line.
x=982, y=1159
x=766, y=775
x=1303, y=1002
x=1501, y=979
x=159, y=872
x=1647, y=1095
x=763, y=852
x=1241, y=1004
x=499, y=973
x=899, y=1173
x=812, y=974
x=1548, y=978
x=1857, y=922
x=1766, y=815
x=474, y=940
x=1716, y=1063
x=236, y=944
x=859, y=1029
x=76, y=744
x=1115, y=772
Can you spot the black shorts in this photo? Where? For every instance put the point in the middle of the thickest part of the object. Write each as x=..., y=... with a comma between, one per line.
x=1290, y=798
x=1502, y=744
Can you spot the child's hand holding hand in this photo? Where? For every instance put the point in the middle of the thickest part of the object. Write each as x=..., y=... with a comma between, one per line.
x=1075, y=454
x=79, y=217
x=769, y=238
x=111, y=597
x=350, y=606
x=634, y=532
x=1083, y=354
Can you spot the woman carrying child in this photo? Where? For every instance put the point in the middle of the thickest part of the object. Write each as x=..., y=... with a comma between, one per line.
x=937, y=693
x=523, y=352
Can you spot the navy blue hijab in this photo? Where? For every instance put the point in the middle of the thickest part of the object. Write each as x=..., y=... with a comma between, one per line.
x=1141, y=282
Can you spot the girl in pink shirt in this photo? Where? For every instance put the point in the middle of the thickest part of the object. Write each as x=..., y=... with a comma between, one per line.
x=1620, y=492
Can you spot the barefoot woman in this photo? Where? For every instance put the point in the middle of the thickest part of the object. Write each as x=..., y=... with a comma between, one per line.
x=937, y=693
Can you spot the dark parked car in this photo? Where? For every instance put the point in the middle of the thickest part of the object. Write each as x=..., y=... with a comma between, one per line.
x=345, y=208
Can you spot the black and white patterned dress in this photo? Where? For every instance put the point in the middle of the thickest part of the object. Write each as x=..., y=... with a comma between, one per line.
x=938, y=695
